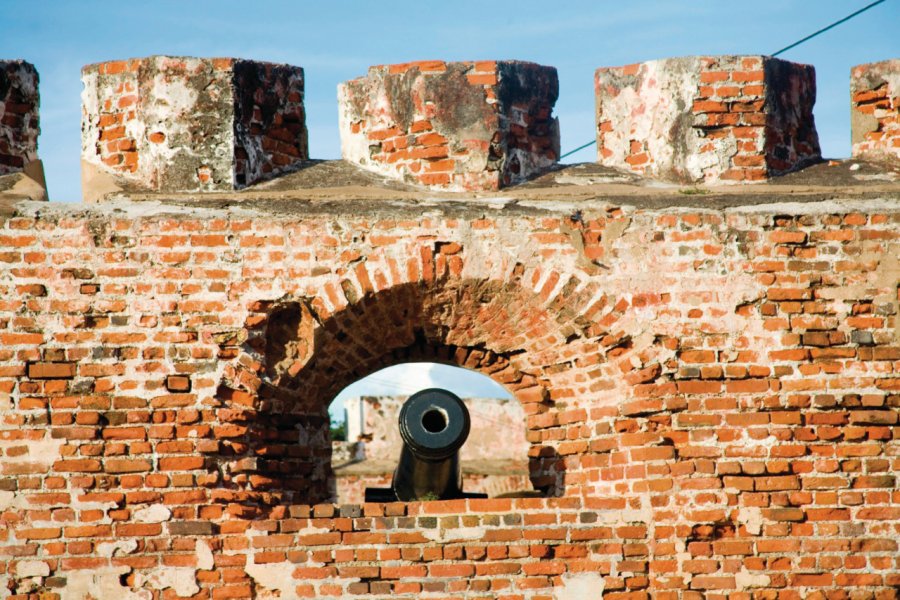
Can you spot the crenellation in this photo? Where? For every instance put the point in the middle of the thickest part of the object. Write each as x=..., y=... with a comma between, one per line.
x=707, y=119
x=875, y=110
x=180, y=124
x=464, y=126
x=19, y=115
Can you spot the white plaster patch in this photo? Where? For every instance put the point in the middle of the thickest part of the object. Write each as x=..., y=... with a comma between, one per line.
x=751, y=517
x=97, y=584
x=32, y=568
x=313, y=530
x=579, y=586
x=155, y=513
x=109, y=549
x=275, y=577
x=7, y=500
x=204, y=556
x=41, y=454
x=745, y=579
x=173, y=93
x=456, y=534
x=78, y=504
x=644, y=514
x=181, y=580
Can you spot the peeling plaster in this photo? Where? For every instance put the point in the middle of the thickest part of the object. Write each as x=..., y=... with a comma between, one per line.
x=455, y=534
x=744, y=579
x=751, y=517
x=276, y=578
x=579, y=586
x=32, y=568
x=181, y=580
x=155, y=513
x=100, y=584
x=109, y=549
x=205, y=561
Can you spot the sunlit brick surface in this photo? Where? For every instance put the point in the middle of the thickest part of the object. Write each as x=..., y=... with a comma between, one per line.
x=180, y=124
x=708, y=119
x=474, y=126
x=875, y=110
x=711, y=399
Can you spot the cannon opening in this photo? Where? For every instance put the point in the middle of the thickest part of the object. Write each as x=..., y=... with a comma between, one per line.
x=434, y=421
x=367, y=436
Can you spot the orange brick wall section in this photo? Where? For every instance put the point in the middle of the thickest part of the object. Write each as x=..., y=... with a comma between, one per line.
x=182, y=124
x=708, y=119
x=875, y=110
x=711, y=400
x=477, y=125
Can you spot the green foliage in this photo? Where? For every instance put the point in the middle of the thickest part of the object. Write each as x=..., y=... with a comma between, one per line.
x=338, y=431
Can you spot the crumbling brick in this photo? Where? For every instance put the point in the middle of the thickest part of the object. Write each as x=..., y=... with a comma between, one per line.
x=456, y=126
x=875, y=110
x=19, y=115
x=179, y=124
x=707, y=119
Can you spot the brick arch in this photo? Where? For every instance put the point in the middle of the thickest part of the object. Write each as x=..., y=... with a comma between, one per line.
x=294, y=356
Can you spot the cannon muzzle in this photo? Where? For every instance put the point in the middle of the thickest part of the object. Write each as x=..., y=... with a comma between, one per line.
x=434, y=424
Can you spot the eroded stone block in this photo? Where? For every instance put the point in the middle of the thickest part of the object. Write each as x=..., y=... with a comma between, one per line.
x=19, y=115
x=455, y=126
x=875, y=110
x=707, y=119
x=192, y=124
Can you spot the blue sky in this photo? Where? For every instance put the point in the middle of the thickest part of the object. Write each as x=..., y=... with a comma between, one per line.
x=337, y=41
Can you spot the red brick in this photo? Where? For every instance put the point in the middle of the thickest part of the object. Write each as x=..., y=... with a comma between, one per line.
x=51, y=370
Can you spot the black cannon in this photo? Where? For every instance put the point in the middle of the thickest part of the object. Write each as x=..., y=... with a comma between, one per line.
x=434, y=424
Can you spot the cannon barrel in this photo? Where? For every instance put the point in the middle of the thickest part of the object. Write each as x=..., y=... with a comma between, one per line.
x=434, y=424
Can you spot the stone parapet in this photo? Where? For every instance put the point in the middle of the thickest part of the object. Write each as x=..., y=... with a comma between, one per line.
x=875, y=110
x=707, y=119
x=178, y=124
x=456, y=126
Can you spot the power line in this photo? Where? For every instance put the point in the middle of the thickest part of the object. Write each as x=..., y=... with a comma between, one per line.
x=785, y=49
x=824, y=29
x=583, y=146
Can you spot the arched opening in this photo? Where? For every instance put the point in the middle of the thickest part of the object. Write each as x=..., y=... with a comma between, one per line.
x=293, y=356
x=494, y=459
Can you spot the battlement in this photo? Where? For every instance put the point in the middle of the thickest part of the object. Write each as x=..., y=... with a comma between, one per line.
x=210, y=125
x=469, y=126
x=19, y=115
x=178, y=124
x=707, y=119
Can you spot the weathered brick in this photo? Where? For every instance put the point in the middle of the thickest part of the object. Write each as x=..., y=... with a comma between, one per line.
x=669, y=102
x=501, y=120
x=241, y=124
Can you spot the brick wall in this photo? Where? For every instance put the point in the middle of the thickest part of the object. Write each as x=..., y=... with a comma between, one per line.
x=875, y=110
x=181, y=124
x=19, y=112
x=712, y=399
x=709, y=119
x=458, y=126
